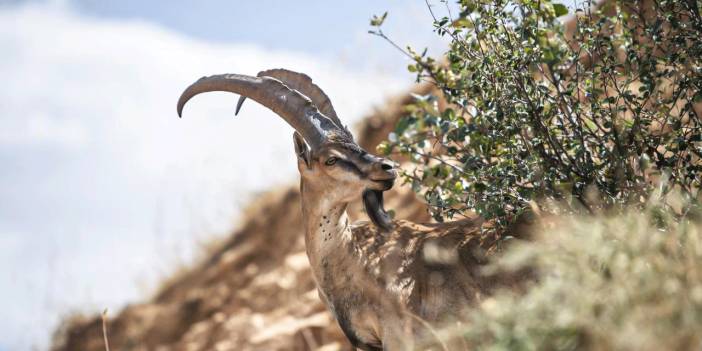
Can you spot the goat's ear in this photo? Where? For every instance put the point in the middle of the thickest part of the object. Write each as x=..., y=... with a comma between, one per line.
x=302, y=151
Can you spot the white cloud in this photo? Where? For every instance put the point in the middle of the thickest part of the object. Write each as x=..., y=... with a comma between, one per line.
x=42, y=129
x=102, y=184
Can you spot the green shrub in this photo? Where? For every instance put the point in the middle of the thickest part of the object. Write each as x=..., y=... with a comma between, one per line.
x=599, y=120
x=628, y=282
x=535, y=113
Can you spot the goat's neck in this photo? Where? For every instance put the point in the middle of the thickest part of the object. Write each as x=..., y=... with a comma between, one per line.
x=339, y=270
x=327, y=231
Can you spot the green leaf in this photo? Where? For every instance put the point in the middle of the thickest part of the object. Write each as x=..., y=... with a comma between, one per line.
x=377, y=21
x=462, y=23
x=403, y=124
x=560, y=10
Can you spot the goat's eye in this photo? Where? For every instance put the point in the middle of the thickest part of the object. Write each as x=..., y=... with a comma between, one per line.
x=331, y=161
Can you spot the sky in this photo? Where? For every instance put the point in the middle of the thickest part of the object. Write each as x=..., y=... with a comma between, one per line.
x=103, y=190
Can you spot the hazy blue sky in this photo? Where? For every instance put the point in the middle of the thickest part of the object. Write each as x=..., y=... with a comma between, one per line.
x=103, y=190
x=334, y=29
x=312, y=26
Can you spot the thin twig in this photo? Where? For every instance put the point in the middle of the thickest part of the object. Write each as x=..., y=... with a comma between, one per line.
x=104, y=329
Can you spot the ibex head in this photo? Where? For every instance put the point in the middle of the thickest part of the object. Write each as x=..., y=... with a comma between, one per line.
x=333, y=164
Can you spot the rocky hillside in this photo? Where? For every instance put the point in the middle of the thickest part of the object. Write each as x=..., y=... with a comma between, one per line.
x=254, y=292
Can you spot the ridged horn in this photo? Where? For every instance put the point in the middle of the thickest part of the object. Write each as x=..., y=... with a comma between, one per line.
x=295, y=108
x=303, y=84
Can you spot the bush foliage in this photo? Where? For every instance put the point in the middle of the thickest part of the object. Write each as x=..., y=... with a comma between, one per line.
x=629, y=282
x=529, y=110
x=599, y=117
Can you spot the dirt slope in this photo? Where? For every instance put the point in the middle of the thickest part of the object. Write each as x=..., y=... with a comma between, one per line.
x=254, y=292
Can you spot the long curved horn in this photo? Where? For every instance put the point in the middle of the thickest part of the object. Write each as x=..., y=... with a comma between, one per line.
x=302, y=83
x=293, y=107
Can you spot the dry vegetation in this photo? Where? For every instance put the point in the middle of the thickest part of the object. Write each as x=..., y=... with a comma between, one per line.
x=252, y=292
x=627, y=282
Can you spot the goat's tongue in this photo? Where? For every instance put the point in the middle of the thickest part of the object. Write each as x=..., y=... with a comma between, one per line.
x=373, y=203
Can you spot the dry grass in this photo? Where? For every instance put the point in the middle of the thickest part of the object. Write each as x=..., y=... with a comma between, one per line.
x=104, y=329
x=632, y=281
x=251, y=291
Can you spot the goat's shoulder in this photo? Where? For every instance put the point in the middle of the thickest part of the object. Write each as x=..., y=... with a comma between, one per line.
x=410, y=239
x=433, y=268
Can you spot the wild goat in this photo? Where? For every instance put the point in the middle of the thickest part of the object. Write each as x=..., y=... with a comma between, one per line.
x=384, y=284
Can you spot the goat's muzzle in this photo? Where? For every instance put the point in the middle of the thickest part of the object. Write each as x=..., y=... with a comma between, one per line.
x=383, y=174
x=383, y=177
